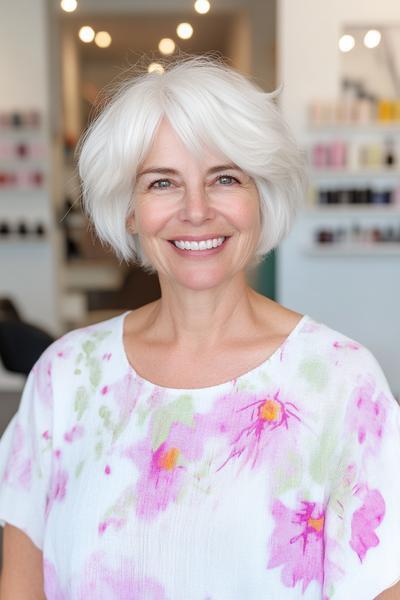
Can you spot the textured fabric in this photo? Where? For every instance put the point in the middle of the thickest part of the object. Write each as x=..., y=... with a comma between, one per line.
x=282, y=483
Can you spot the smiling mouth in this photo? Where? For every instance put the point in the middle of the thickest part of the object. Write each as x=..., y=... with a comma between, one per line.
x=207, y=244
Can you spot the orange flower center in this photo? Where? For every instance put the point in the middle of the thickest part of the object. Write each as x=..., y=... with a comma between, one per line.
x=270, y=410
x=169, y=459
x=316, y=524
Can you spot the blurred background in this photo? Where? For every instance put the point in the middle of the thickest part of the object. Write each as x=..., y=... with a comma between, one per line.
x=339, y=64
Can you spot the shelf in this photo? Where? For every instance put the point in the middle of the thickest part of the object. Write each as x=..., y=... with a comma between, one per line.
x=347, y=174
x=358, y=128
x=352, y=209
x=376, y=249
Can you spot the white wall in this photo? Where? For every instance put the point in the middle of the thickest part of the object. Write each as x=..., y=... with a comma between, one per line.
x=356, y=295
x=309, y=62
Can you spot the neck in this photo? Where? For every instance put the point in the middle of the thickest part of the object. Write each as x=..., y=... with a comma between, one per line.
x=197, y=320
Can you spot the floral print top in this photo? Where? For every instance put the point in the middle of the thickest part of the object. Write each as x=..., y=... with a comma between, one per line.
x=281, y=484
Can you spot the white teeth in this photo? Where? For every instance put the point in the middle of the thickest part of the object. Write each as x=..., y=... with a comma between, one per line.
x=202, y=245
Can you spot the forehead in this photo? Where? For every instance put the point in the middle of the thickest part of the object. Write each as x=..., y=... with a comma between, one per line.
x=168, y=146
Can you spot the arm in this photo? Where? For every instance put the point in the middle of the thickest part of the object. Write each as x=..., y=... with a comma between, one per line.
x=22, y=573
x=392, y=593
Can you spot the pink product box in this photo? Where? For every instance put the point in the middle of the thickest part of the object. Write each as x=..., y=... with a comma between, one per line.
x=329, y=155
x=18, y=119
x=21, y=179
x=21, y=150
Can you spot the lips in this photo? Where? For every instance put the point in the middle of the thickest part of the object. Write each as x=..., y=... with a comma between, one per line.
x=201, y=245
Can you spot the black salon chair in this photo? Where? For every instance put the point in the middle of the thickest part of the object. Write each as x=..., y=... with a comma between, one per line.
x=21, y=343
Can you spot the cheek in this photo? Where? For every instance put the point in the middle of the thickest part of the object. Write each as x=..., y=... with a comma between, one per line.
x=152, y=217
x=246, y=213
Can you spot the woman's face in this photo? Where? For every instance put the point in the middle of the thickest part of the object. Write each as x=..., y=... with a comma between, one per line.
x=181, y=200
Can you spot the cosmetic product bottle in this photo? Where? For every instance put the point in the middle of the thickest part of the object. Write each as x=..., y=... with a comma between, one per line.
x=323, y=197
x=389, y=157
x=319, y=156
x=40, y=230
x=385, y=111
x=22, y=229
x=36, y=178
x=337, y=155
x=21, y=150
x=16, y=120
x=4, y=229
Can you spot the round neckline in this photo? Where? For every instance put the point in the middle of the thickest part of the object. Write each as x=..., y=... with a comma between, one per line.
x=218, y=386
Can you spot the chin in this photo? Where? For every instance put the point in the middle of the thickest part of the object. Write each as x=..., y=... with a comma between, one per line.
x=201, y=279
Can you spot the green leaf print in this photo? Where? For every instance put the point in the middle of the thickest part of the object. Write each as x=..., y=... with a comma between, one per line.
x=289, y=475
x=316, y=372
x=81, y=401
x=179, y=411
x=79, y=468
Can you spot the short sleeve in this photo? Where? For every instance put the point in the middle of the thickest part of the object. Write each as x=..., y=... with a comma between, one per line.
x=362, y=522
x=25, y=455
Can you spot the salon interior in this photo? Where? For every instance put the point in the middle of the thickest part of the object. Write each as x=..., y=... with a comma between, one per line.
x=337, y=66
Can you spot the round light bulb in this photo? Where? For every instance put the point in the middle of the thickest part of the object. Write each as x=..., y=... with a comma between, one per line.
x=155, y=68
x=86, y=34
x=184, y=31
x=103, y=39
x=166, y=46
x=69, y=5
x=346, y=43
x=202, y=6
x=372, y=38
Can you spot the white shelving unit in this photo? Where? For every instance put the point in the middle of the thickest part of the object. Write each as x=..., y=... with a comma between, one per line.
x=353, y=287
x=27, y=258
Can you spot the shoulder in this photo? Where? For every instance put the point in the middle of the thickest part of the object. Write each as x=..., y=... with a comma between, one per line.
x=348, y=362
x=82, y=342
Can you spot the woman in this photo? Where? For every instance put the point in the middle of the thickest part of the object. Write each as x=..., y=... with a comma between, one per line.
x=212, y=444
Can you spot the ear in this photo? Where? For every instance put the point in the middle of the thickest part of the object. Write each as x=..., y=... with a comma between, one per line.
x=131, y=224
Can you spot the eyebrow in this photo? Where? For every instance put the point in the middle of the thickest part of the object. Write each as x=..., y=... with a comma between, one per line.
x=168, y=171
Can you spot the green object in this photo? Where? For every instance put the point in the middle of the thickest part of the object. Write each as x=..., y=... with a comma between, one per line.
x=265, y=280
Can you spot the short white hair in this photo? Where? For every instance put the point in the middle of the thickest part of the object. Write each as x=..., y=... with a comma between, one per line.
x=206, y=102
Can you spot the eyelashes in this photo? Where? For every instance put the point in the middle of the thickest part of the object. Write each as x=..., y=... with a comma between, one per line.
x=166, y=183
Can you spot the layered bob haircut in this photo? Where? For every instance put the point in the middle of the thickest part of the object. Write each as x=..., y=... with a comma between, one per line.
x=207, y=103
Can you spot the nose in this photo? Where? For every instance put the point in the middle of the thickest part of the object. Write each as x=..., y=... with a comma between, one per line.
x=196, y=206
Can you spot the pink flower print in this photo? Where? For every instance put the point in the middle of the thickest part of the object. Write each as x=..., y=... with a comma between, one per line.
x=366, y=416
x=115, y=522
x=58, y=489
x=163, y=469
x=42, y=373
x=99, y=581
x=52, y=587
x=365, y=520
x=347, y=344
x=252, y=426
x=125, y=394
x=160, y=484
x=297, y=543
x=75, y=433
x=18, y=471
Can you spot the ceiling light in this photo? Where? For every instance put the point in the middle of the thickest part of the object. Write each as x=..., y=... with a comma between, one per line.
x=202, y=6
x=86, y=34
x=346, y=43
x=155, y=68
x=166, y=46
x=184, y=31
x=372, y=38
x=103, y=39
x=69, y=5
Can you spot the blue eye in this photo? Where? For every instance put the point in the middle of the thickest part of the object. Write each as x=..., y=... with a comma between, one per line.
x=227, y=179
x=161, y=184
